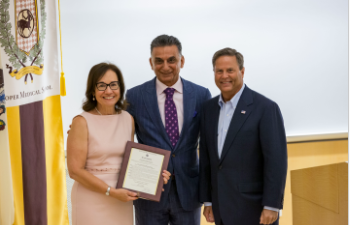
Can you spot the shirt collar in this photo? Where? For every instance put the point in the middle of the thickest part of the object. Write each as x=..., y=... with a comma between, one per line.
x=161, y=87
x=234, y=99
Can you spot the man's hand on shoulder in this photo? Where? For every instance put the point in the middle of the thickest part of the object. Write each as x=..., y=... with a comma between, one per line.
x=208, y=213
x=268, y=216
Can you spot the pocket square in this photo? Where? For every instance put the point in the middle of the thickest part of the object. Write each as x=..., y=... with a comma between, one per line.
x=195, y=113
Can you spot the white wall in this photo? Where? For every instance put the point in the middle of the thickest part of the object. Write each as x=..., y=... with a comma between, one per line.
x=296, y=52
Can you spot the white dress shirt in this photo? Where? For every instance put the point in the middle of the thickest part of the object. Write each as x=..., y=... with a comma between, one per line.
x=226, y=112
x=177, y=98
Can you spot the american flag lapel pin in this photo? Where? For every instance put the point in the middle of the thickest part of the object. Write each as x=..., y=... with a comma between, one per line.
x=243, y=112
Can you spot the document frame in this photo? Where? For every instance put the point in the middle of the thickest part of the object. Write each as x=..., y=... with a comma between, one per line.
x=125, y=165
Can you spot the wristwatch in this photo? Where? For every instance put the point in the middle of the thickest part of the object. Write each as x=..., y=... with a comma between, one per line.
x=108, y=189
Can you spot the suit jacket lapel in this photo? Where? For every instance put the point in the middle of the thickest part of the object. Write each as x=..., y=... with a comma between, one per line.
x=189, y=105
x=238, y=119
x=151, y=102
x=214, y=116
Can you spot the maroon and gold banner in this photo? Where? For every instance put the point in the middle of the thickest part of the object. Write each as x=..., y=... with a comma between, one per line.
x=37, y=159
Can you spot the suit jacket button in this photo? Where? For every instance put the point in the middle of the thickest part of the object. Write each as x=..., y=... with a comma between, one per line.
x=220, y=167
x=173, y=155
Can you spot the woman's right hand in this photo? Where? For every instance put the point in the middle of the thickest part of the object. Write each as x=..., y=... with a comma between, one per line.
x=124, y=195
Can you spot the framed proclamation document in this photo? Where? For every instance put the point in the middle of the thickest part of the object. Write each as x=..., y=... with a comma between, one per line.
x=141, y=170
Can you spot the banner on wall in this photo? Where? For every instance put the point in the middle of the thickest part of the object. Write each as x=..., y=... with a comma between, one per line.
x=32, y=125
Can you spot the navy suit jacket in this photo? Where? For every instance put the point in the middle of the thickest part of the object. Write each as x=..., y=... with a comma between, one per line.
x=251, y=172
x=149, y=128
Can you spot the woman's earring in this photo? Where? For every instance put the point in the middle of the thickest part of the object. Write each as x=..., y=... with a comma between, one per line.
x=93, y=98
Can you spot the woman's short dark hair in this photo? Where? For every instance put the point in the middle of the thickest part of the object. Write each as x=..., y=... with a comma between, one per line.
x=229, y=52
x=95, y=74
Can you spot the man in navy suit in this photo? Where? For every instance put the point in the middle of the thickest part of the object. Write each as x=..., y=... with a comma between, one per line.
x=243, y=150
x=166, y=111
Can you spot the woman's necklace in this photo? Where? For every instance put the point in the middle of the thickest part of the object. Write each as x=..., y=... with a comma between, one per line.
x=98, y=111
x=101, y=113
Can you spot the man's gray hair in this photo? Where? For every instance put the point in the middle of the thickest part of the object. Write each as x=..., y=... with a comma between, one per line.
x=166, y=40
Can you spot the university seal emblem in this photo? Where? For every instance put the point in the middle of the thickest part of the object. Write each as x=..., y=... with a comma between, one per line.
x=25, y=23
x=25, y=49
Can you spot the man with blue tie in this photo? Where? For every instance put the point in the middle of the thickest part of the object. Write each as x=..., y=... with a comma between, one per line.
x=243, y=150
x=166, y=111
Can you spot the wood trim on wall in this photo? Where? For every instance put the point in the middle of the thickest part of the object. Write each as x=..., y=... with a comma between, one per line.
x=317, y=137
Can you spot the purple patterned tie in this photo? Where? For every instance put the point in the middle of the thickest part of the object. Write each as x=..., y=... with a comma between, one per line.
x=171, y=124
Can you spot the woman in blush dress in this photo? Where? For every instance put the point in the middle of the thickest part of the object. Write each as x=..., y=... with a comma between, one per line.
x=95, y=150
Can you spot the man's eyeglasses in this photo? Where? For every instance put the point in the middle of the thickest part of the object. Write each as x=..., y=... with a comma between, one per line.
x=101, y=86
